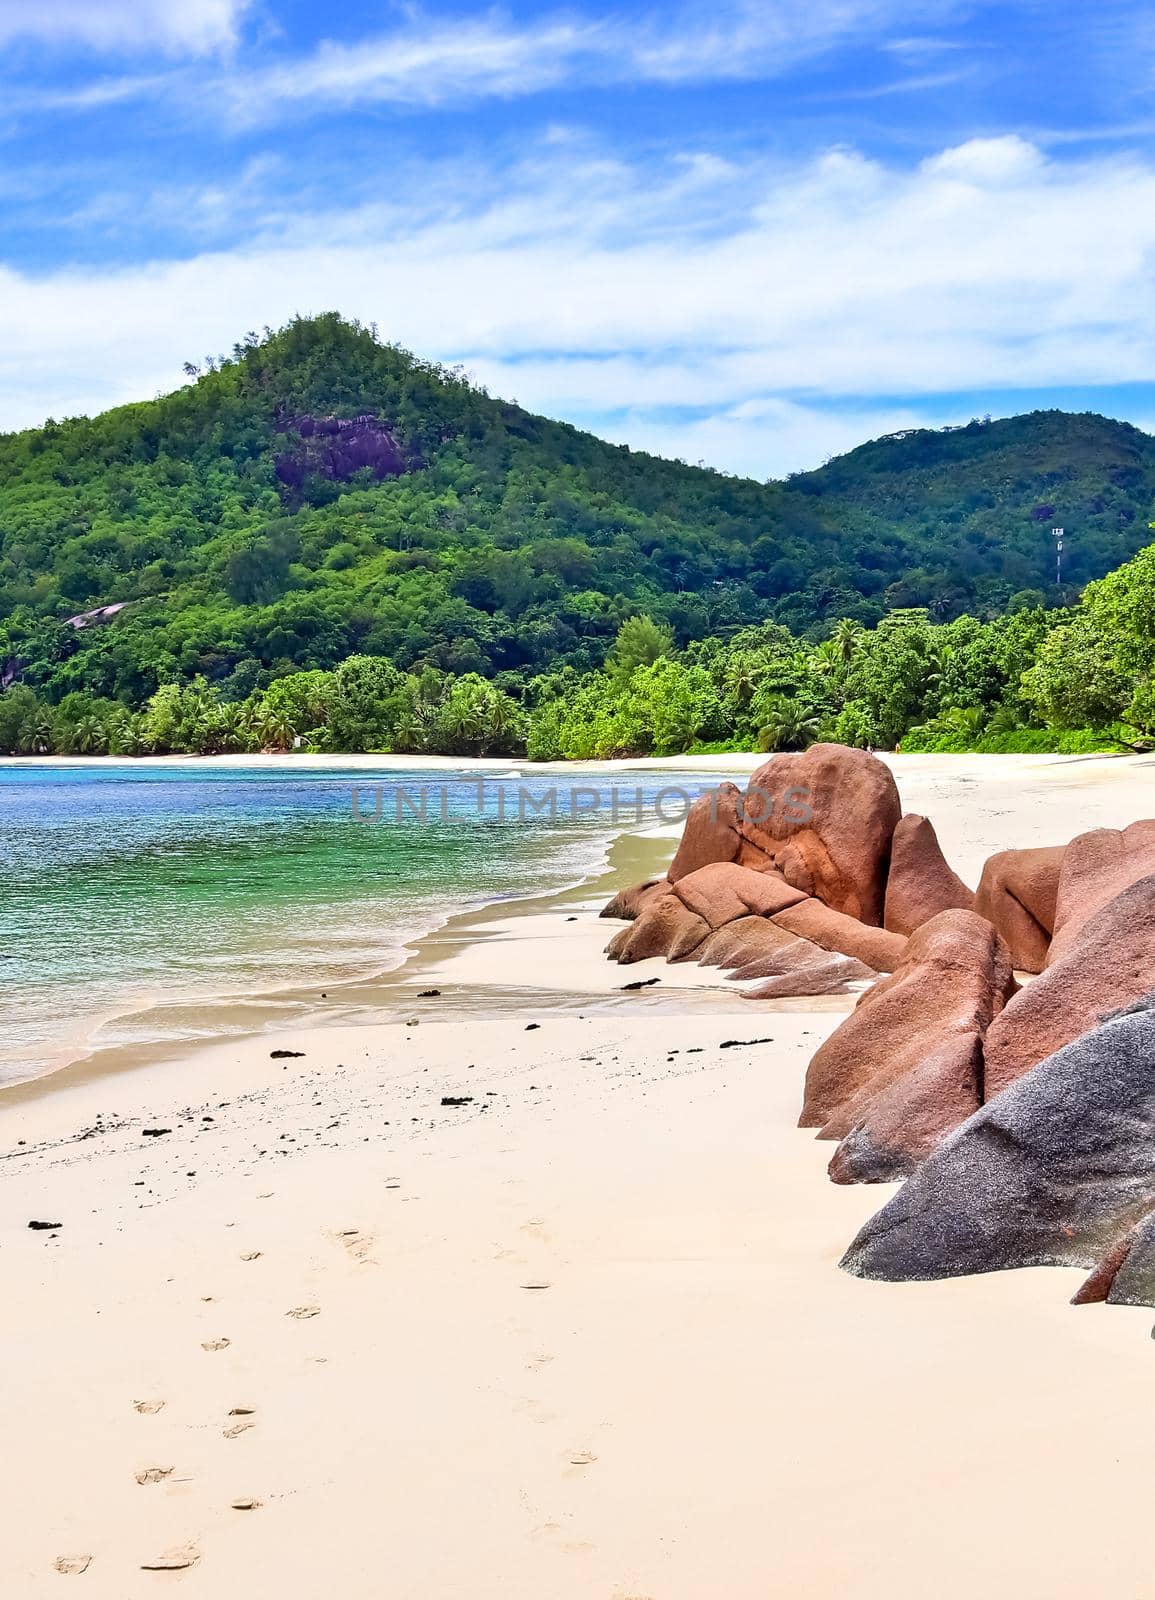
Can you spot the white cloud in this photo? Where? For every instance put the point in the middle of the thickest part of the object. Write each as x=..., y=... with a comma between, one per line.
x=588, y=289
x=1006, y=159
x=430, y=62
x=422, y=65
x=123, y=25
x=767, y=439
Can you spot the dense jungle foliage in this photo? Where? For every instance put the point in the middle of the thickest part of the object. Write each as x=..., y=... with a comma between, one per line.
x=322, y=541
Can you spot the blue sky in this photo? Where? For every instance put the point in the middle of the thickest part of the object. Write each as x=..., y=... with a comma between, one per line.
x=752, y=232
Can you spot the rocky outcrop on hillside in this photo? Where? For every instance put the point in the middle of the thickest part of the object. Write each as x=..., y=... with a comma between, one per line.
x=338, y=447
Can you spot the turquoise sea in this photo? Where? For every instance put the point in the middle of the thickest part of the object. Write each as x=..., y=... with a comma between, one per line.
x=134, y=898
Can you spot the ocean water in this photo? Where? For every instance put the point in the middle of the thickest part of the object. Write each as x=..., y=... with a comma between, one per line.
x=135, y=899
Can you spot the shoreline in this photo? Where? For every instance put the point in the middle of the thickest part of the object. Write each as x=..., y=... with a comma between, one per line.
x=475, y=954
x=919, y=776
x=741, y=762
x=419, y=954
x=305, y=761
x=252, y=1008
x=508, y=1274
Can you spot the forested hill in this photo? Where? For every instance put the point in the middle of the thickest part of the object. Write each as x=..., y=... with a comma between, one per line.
x=974, y=505
x=319, y=494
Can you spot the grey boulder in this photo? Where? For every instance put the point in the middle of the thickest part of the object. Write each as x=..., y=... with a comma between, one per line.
x=1048, y=1173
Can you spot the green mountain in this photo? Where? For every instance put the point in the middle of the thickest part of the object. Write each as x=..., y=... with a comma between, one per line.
x=321, y=494
x=974, y=506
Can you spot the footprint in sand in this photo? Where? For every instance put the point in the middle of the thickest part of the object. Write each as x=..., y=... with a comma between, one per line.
x=244, y=1419
x=245, y=1502
x=216, y=1344
x=252, y=1255
x=301, y=1312
x=534, y=1410
x=154, y=1474
x=358, y=1245
x=72, y=1563
x=148, y=1408
x=572, y=1547
x=173, y=1560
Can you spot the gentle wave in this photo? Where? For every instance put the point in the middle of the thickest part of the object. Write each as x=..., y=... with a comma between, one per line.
x=144, y=904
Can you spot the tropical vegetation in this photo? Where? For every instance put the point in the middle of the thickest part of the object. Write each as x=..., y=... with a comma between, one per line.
x=321, y=542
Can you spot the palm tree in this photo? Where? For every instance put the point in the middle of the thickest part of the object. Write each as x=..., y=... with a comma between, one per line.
x=789, y=726
x=825, y=658
x=129, y=739
x=275, y=731
x=960, y=723
x=89, y=737
x=221, y=731
x=744, y=673
x=192, y=712
x=507, y=722
x=463, y=717
x=417, y=725
x=846, y=639
x=250, y=721
x=938, y=656
x=232, y=726
x=37, y=735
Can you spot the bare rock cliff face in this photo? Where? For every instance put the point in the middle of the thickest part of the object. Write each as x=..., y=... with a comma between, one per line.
x=338, y=447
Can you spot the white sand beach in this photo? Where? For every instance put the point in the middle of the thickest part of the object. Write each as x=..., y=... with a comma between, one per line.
x=581, y=1336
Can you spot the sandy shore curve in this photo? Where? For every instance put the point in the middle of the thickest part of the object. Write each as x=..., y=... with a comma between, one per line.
x=528, y=1288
